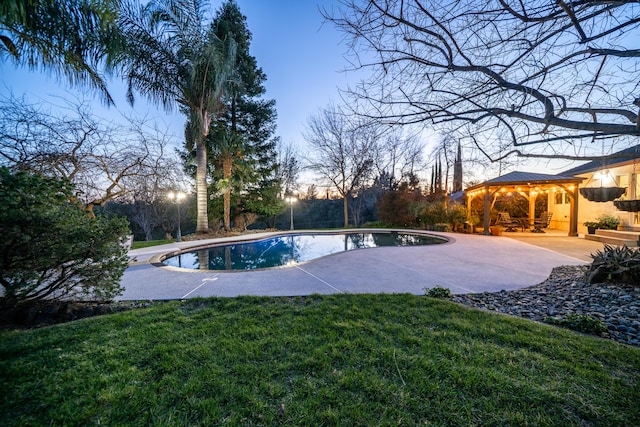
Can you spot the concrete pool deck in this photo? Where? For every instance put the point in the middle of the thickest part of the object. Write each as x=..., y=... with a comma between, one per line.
x=467, y=264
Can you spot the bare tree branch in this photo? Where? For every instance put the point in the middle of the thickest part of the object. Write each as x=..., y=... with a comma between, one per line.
x=104, y=160
x=555, y=75
x=342, y=151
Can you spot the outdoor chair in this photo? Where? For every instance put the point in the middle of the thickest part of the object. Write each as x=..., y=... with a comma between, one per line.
x=542, y=222
x=506, y=221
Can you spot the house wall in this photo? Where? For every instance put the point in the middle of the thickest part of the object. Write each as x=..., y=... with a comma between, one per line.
x=623, y=176
x=558, y=204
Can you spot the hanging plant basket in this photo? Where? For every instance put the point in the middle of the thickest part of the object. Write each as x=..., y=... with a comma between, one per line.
x=628, y=205
x=602, y=194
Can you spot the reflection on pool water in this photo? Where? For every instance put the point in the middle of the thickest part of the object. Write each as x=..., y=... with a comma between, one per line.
x=290, y=249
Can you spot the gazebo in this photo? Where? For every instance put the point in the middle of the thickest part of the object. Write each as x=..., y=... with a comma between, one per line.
x=529, y=185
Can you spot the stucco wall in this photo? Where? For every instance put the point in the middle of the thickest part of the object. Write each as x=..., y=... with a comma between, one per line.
x=588, y=211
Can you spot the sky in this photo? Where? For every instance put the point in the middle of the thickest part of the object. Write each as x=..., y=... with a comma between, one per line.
x=301, y=56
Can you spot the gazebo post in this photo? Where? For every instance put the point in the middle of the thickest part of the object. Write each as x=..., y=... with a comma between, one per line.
x=486, y=231
x=573, y=212
x=532, y=207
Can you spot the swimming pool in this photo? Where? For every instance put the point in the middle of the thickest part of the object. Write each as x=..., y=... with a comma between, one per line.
x=291, y=249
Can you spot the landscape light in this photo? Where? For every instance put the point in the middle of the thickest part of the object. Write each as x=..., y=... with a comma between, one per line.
x=177, y=197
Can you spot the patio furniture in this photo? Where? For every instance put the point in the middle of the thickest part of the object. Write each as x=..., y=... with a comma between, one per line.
x=542, y=222
x=506, y=221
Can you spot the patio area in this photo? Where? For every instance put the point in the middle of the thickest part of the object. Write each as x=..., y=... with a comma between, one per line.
x=467, y=264
x=558, y=241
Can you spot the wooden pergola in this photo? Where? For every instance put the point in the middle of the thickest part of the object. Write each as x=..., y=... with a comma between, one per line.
x=529, y=185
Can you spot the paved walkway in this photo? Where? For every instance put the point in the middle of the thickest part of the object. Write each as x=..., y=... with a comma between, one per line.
x=468, y=263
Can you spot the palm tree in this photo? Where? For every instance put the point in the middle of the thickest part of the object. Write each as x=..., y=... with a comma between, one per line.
x=175, y=58
x=69, y=38
x=229, y=154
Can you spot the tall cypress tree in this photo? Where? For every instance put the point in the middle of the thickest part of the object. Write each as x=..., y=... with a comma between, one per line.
x=250, y=117
x=457, y=171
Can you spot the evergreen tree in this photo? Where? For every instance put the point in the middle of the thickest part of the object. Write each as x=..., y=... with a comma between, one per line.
x=250, y=117
x=457, y=171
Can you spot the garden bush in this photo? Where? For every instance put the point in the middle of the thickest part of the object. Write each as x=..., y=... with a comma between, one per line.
x=394, y=207
x=51, y=249
x=580, y=323
x=606, y=222
x=617, y=263
x=438, y=292
x=432, y=214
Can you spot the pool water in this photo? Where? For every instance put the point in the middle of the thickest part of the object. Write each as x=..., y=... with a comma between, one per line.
x=291, y=249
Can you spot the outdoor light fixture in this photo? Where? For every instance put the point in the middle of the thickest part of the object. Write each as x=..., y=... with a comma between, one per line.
x=177, y=197
x=291, y=200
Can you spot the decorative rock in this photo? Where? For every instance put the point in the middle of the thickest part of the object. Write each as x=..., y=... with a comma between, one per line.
x=566, y=292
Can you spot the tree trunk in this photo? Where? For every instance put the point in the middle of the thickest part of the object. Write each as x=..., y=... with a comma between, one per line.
x=201, y=187
x=345, y=206
x=226, y=174
x=202, y=199
x=148, y=233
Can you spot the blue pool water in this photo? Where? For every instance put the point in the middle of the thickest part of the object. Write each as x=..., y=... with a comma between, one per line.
x=291, y=249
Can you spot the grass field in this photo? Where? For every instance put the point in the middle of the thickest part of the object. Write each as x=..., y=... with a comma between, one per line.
x=318, y=360
x=148, y=243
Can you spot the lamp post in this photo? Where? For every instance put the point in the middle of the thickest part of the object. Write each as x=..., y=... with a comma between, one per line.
x=291, y=200
x=177, y=198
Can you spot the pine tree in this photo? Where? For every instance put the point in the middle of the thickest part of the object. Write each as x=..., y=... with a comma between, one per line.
x=249, y=117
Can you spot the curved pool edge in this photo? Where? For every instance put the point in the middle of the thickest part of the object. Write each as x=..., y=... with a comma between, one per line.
x=183, y=247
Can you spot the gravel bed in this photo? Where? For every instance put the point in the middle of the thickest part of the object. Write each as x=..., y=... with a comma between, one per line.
x=566, y=292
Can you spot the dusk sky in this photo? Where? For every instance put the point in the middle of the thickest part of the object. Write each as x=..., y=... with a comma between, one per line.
x=301, y=55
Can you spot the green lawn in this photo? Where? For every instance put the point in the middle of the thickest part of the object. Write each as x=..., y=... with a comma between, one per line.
x=319, y=360
x=148, y=243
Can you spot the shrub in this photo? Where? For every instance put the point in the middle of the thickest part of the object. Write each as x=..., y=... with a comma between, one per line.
x=394, y=207
x=51, y=248
x=441, y=227
x=433, y=214
x=457, y=214
x=618, y=263
x=438, y=292
x=608, y=222
x=580, y=323
x=592, y=226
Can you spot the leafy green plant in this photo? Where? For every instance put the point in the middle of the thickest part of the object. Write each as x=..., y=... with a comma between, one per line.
x=608, y=222
x=395, y=207
x=618, y=263
x=51, y=248
x=434, y=214
x=580, y=323
x=438, y=292
x=592, y=224
x=441, y=227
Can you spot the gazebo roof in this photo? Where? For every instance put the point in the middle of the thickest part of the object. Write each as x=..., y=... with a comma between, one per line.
x=526, y=178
